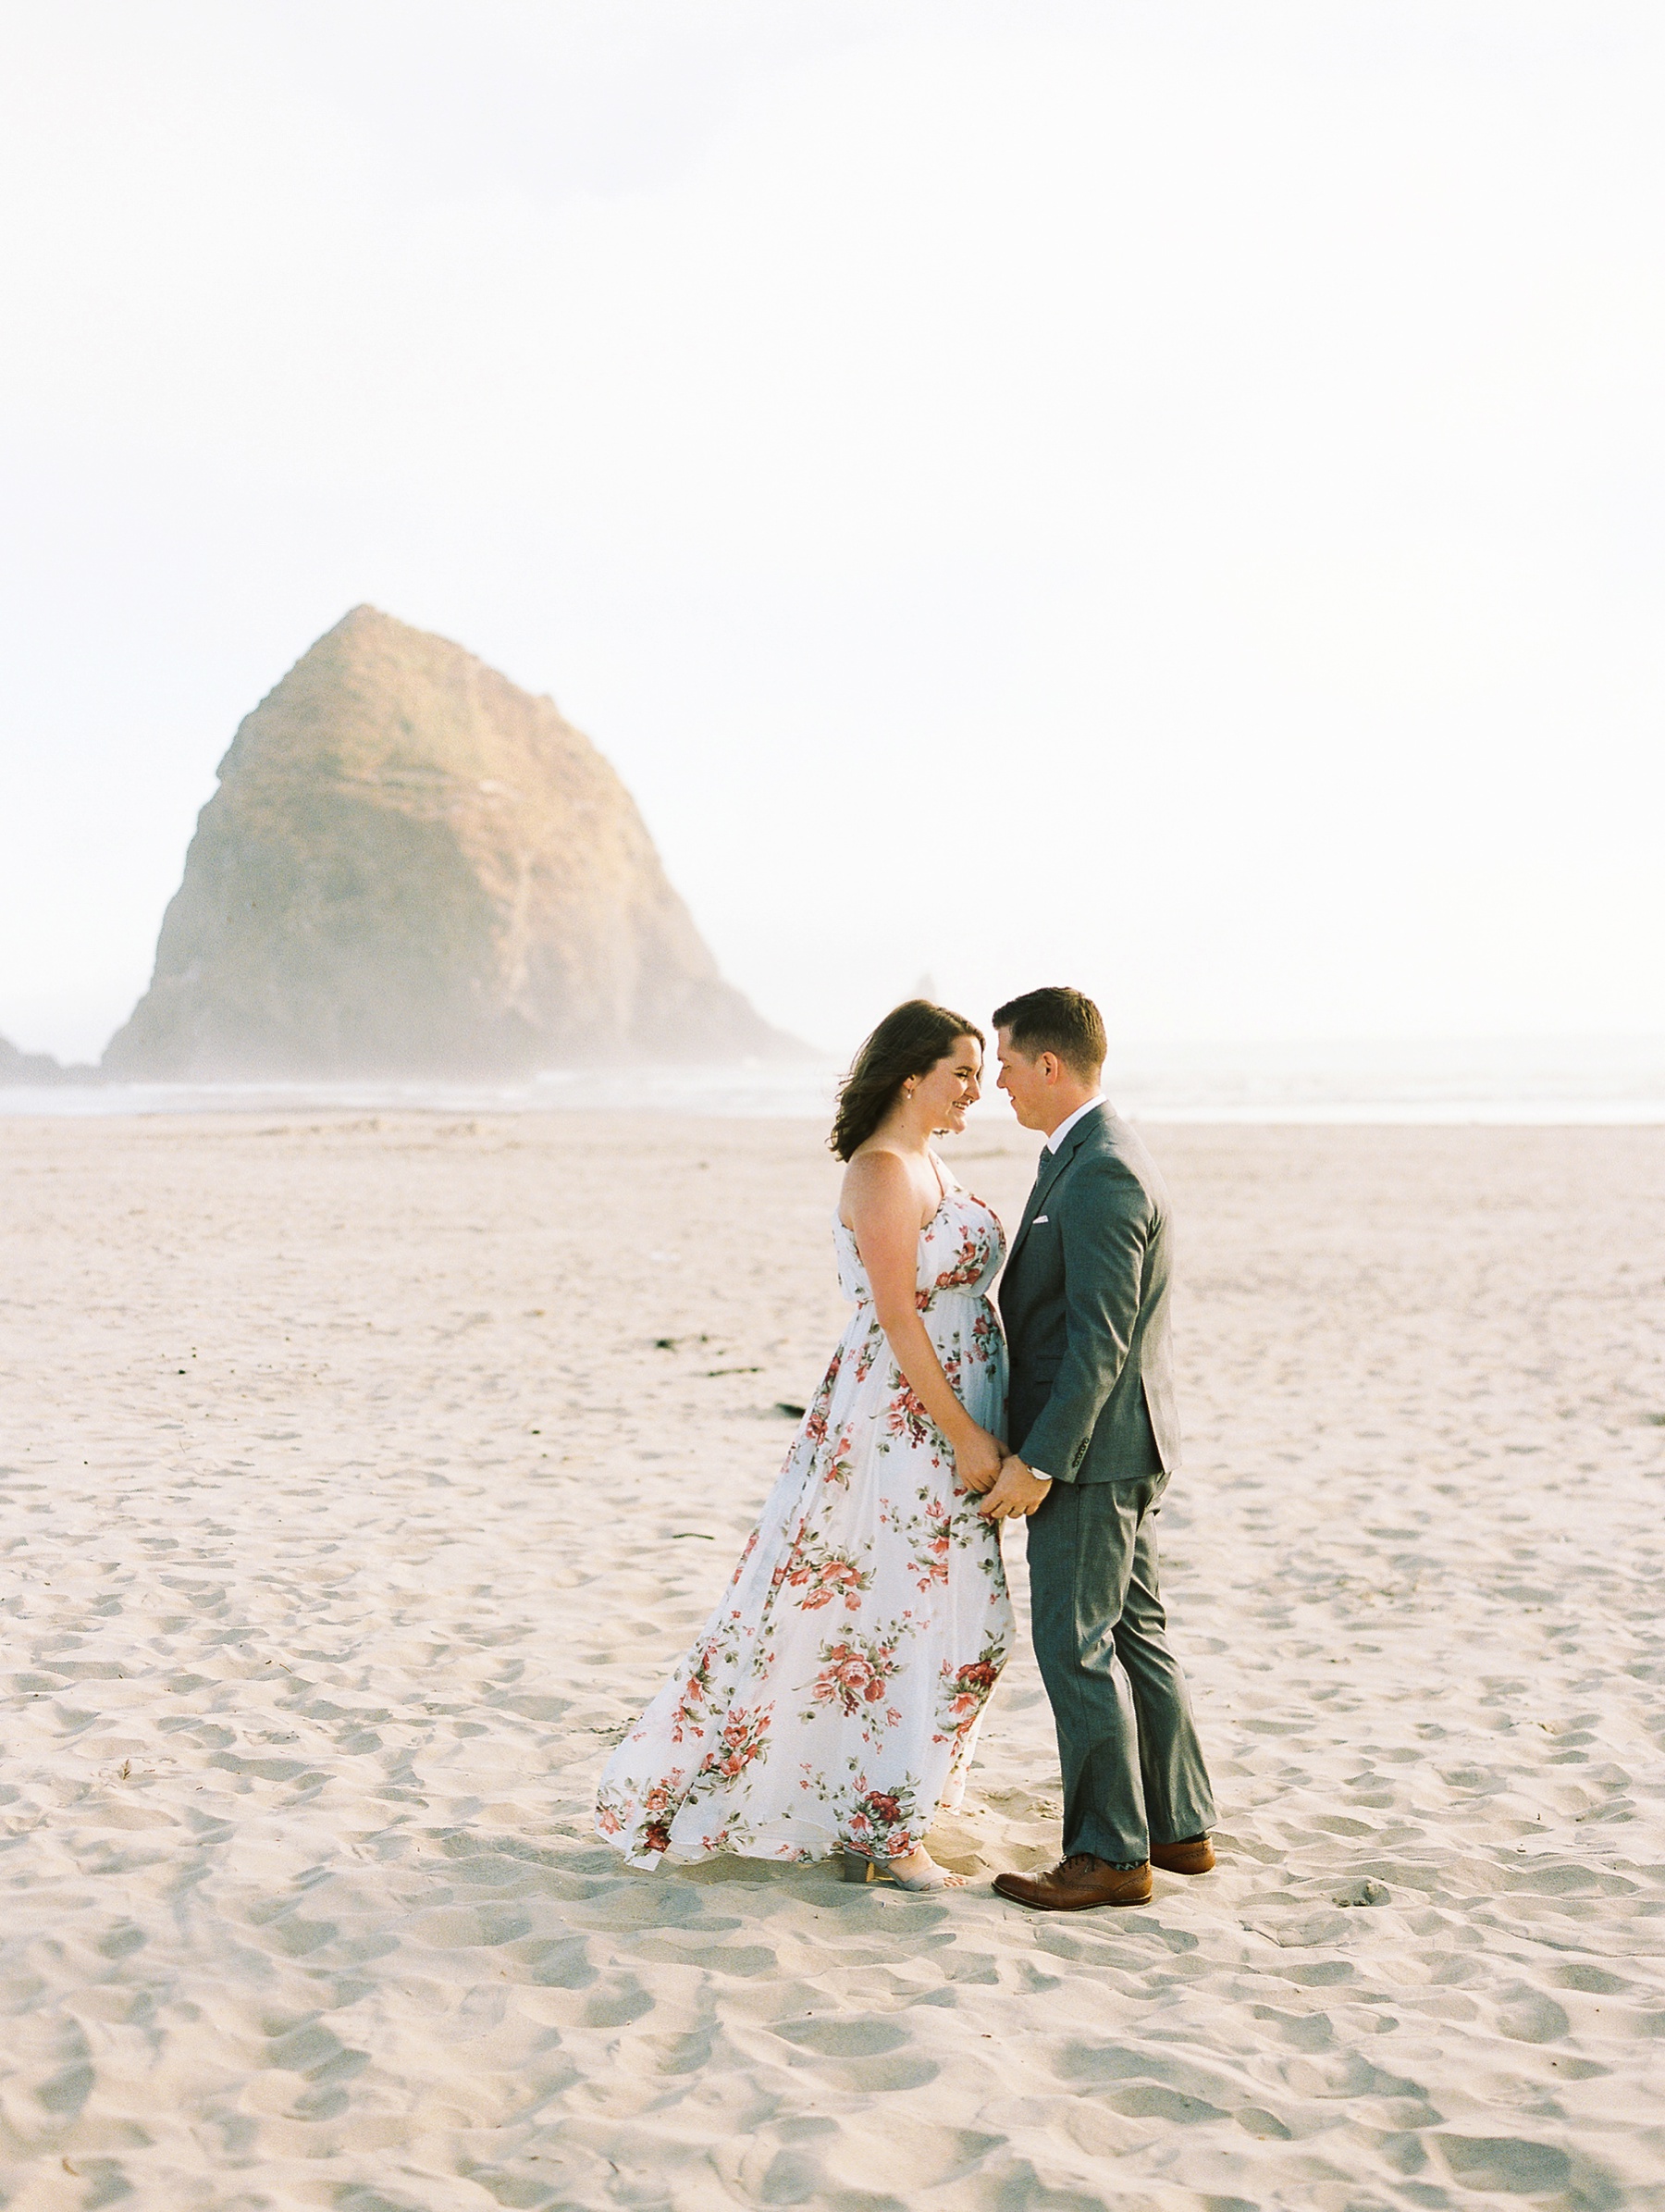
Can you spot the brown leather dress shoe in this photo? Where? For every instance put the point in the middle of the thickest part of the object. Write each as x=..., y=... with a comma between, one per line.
x=1077, y=1883
x=1193, y=1858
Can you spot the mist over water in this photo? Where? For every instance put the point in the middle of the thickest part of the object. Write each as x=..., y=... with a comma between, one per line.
x=1545, y=1082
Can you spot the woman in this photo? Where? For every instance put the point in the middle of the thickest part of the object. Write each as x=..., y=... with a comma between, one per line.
x=831, y=1700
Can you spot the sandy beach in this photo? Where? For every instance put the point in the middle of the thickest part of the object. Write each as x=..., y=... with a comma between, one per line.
x=361, y=1477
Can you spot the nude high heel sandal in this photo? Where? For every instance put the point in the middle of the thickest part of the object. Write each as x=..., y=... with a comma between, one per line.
x=858, y=1867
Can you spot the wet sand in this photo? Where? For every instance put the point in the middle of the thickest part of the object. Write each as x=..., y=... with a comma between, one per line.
x=360, y=1479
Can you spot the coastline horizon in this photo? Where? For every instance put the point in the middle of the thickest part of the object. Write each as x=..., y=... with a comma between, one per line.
x=1593, y=1082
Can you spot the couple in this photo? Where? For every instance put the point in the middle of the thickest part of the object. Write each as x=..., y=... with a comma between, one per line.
x=831, y=1704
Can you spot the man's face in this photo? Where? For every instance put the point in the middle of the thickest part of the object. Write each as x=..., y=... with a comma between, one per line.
x=1024, y=1081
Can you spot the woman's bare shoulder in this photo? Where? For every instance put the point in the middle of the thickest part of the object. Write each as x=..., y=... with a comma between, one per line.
x=877, y=1178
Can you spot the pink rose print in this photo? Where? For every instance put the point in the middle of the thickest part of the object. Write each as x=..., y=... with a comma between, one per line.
x=854, y=1673
x=743, y=1738
x=905, y=1415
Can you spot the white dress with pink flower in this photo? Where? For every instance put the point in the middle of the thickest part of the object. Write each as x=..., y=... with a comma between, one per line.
x=833, y=1697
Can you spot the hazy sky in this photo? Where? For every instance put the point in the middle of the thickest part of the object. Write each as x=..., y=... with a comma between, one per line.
x=1166, y=496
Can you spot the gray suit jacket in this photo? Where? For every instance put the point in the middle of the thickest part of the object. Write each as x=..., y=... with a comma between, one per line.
x=1085, y=1302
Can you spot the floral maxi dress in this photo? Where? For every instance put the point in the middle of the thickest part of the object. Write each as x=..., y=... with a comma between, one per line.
x=833, y=1697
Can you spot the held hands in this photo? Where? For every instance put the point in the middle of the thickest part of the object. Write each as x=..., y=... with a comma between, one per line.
x=1016, y=1494
x=977, y=1461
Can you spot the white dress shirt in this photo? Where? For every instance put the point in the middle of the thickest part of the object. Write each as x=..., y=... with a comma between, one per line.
x=1069, y=1122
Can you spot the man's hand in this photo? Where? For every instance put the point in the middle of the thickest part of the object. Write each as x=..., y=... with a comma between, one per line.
x=1016, y=1492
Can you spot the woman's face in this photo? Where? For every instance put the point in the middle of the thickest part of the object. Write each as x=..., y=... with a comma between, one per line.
x=955, y=1083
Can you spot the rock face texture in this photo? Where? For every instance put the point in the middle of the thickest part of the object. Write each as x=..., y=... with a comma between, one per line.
x=413, y=867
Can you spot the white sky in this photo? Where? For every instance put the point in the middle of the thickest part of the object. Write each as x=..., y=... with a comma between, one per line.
x=1164, y=496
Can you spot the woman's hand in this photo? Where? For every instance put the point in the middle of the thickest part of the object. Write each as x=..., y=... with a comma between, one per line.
x=977, y=1461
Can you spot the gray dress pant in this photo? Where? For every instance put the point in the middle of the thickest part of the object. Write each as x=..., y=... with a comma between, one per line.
x=1134, y=1770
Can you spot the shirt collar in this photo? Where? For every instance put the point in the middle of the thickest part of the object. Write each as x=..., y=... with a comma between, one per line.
x=1065, y=1127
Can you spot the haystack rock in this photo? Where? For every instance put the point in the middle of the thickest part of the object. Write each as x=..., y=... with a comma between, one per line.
x=413, y=867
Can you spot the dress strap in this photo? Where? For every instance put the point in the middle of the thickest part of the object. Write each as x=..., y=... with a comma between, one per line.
x=943, y=1185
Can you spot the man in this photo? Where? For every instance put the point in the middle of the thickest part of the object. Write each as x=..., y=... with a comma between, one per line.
x=1090, y=1411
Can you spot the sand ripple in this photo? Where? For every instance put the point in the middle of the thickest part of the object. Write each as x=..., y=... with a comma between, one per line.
x=352, y=1505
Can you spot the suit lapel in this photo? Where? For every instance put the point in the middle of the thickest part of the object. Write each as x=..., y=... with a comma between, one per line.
x=1052, y=1165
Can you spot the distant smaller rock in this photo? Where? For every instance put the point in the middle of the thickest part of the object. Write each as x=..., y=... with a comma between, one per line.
x=39, y=1068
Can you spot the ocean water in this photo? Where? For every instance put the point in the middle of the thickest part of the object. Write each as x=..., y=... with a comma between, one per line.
x=1544, y=1081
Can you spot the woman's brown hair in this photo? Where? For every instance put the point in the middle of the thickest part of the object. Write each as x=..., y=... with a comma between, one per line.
x=910, y=1041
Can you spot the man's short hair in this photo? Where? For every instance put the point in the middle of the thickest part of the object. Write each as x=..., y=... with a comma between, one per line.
x=1060, y=1021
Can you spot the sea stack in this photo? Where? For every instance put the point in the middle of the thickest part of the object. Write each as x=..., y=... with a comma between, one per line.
x=413, y=867
x=38, y=1067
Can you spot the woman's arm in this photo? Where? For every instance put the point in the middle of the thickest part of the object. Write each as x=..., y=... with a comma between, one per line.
x=884, y=1214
